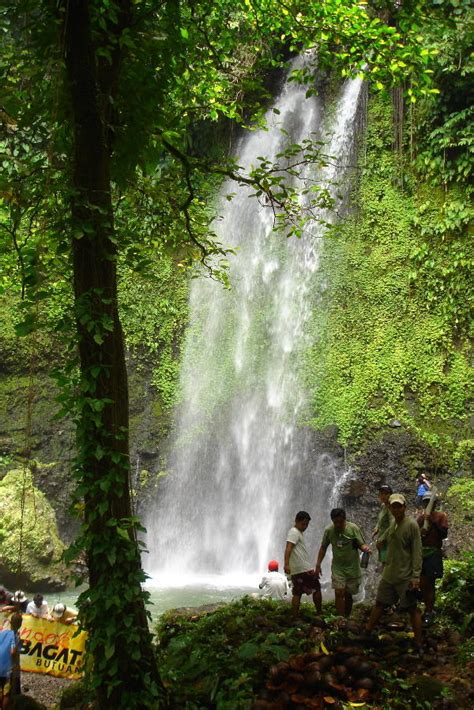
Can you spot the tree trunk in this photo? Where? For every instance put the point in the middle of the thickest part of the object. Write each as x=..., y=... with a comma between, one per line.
x=124, y=673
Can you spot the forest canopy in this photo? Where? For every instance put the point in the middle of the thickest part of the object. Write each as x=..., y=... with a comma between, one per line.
x=109, y=109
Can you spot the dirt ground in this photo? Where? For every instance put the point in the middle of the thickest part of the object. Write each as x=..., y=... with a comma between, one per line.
x=44, y=688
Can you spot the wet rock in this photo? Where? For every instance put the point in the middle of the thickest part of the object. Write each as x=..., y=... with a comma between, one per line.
x=7, y=445
x=353, y=489
x=47, y=554
x=330, y=432
x=455, y=638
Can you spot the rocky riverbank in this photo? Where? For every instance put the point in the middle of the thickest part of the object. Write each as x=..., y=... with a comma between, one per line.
x=254, y=654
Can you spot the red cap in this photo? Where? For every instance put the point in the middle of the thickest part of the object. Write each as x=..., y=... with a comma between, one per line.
x=273, y=566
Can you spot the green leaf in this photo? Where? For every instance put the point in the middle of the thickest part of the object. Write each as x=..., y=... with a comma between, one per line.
x=248, y=650
x=26, y=326
x=123, y=533
x=109, y=651
x=281, y=653
x=99, y=452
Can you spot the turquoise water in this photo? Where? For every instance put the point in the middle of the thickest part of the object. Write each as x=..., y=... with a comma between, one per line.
x=163, y=598
x=190, y=591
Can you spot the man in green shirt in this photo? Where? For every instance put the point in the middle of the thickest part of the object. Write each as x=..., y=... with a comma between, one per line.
x=346, y=540
x=401, y=573
x=384, y=520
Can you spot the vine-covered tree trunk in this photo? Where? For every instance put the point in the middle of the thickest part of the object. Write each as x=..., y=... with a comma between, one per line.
x=124, y=670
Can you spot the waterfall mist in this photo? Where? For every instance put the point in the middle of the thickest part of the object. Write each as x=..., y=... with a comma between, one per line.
x=242, y=465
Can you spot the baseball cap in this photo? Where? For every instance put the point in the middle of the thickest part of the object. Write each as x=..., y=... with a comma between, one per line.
x=58, y=610
x=273, y=566
x=397, y=498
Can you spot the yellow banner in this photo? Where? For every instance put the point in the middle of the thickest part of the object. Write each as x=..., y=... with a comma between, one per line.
x=49, y=646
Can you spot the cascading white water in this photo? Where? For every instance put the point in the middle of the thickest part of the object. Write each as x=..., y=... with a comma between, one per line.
x=242, y=466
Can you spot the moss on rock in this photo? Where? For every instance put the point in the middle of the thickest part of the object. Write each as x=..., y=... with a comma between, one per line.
x=30, y=548
x=388, y=337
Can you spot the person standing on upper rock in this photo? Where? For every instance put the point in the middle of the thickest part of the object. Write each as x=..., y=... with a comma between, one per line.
x=422, y=486
x=401, y=574
x=346, y=539
x=303, y=577
x=61, y=613
x=434, y=529
x=384, y=520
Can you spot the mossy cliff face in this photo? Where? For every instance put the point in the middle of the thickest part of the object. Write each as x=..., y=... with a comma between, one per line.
x=390, y=345
x=154, y=314
x=29, y=432
x=50, y=446
x=30, y=548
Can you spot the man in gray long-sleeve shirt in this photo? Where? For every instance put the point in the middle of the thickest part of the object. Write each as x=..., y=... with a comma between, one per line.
x=401, y=574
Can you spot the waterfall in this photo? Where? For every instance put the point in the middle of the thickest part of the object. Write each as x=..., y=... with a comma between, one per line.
x=242, y=465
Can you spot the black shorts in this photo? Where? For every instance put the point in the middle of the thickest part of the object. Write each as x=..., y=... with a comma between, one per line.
x=305, y=583
x=433, y=565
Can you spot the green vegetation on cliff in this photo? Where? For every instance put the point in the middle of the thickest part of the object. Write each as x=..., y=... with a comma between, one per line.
x=391, y=335
x=392, y=326
x=154, y=308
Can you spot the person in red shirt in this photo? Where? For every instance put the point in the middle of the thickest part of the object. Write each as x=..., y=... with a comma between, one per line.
x=432, y=537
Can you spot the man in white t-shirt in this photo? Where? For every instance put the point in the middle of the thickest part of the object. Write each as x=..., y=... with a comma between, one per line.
x=38, y=607
x=303, y=577
x=273, y=584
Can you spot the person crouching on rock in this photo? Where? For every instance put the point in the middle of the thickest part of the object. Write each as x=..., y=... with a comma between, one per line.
x=62, y=614
x=273, y=584
x=346, y=540
x=303, y=577
x=9, y=657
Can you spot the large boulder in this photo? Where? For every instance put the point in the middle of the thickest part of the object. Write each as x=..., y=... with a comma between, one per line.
x=30, y=548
